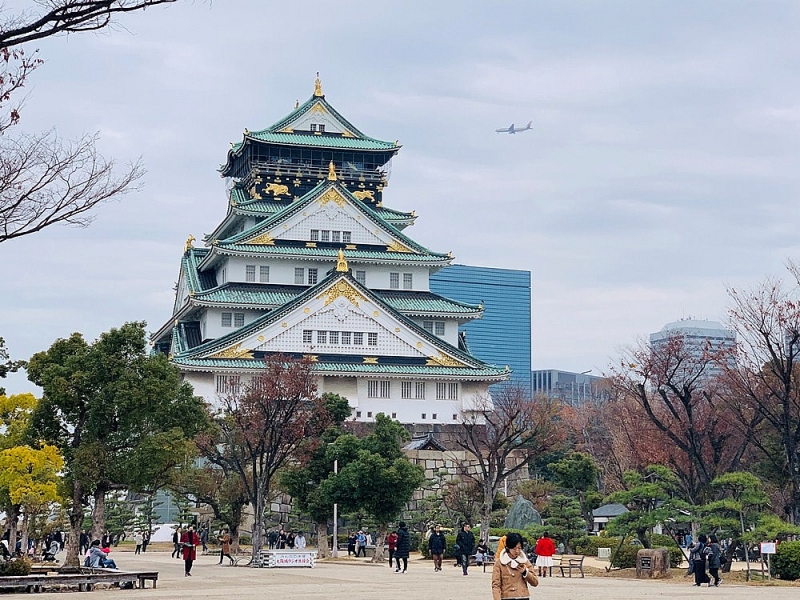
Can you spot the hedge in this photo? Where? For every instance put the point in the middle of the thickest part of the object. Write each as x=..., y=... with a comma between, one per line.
x=786, y=562
x=16, y=567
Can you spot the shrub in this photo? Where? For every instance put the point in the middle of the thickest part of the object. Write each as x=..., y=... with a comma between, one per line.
x=625, y=557
x=16, y=567
x=589, y=545
x=245, y=540
x=676, y=556
x=786, y=562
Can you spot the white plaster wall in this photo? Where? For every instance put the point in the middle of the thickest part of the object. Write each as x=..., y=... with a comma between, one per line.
x=378, y=276
x=450, y=329
x=211, y=321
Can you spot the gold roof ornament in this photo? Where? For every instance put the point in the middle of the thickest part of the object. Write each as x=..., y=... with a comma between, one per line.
x=189, y=243
x=318, y=87
x=341, y=263
x=332, y=172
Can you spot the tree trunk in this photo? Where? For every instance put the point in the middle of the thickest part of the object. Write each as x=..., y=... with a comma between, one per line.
x=75, y=525
x=25, y=522
x=379, y=553
x=13, y=523
x=323, y=548
x=258, y=529
x=234, y=538
x=99, y=513
x=486, y=514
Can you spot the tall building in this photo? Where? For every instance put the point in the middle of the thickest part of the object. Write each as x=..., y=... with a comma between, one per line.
x=699, y=338
x=309, y=262
x=571, y=388
x=503, y=335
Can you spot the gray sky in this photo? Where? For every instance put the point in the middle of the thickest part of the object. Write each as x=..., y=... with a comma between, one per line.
x=662, y=167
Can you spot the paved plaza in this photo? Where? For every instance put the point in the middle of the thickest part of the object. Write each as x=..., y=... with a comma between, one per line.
x=358, y=580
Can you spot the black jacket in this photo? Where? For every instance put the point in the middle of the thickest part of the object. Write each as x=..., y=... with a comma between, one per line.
x=403, y=543
x=436, y=543
x=466, y=542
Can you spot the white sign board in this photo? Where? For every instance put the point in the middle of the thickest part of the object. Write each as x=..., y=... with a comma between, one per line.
x=767, y=547
x=288, y=558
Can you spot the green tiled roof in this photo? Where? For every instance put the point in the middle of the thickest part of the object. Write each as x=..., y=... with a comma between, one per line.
x=488, y=372
x=395, y=257
x=321, y=141
x=270, y=296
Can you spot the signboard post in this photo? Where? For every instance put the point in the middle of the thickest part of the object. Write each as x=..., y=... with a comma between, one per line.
x=767, y=548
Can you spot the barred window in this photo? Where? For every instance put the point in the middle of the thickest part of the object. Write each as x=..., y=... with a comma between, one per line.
x=405, y=389
x=386, y=389
x=299, y=275
x=394, y=281
x=372, y=389
x=439, y=327
x=228, y=384
x=419, y=390
x=227, y=319
x=322, y=337
x=346, y=335
x=315, y=235
x=326, y=235
x=428, y=326
x=372, y=339
x=346, y=237
x=238, y=319
x=361, y=277
x=333, y=337
x=408, y=281
x=263, y=274
x=250, y=273
x=452, y=391
x=335, y=236
x=358, y=338
x=312, y=276
x=307, y=333
x=441, y=391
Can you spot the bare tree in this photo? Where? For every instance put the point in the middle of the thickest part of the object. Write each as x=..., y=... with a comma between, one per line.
x=43, y=179
x=676, y=387
x=505, y=435
x=766, y=381
x=263, y=426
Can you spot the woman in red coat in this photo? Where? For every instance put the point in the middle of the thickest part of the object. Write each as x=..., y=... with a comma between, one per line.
x=189, y=542
x=545, y=548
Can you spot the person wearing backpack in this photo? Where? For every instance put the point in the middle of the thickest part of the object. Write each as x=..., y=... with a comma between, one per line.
x=698, y=559
x=714, y=556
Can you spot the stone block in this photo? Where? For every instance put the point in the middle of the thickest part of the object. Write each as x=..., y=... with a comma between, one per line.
x=652, y=563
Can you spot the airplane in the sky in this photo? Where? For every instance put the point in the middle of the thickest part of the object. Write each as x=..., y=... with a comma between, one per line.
x=512, y=130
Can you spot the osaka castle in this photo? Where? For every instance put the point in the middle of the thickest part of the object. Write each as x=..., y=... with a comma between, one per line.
x=309, y=262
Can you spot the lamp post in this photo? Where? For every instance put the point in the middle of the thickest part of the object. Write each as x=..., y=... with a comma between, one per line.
x=335, y=549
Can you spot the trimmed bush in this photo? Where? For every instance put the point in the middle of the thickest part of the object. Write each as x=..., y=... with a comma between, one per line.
x=589, y=545
x=786, y=562
x=16, y=567
x=676, y=556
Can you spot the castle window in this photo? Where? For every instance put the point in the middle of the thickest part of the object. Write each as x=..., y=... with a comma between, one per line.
x=394, y=415
x=372, y=389
x=333, y=337
x=428, y=326
x=419, y=390
x=238, y=319
x=433, y=416
x=299, y=275
x=424, y=416
x=386, y=389
x=441, y=391
x=313, y=127
x=394, y=281
x=226, y=319
x=439, y=327
x=326, y=235
x=408, y=281
x=321, y=127
x=372, y=339
x=307, y=336
x=263, y=274
x=405, y=390
x=228, y=384
x=455, y=417
x=250, y=273
x=346, y=338
x=358, y=414
x=315, y=235
x=361, y=277
x=322, y=337
x=358, y=338
x=452, y=391
x=336, y=236
x=369, y=415
x=312, y=276
x=346, y=237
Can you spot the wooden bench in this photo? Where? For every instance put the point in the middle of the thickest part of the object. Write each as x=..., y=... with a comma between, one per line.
x=84, y=581
x=569, y=562
x=488, y=560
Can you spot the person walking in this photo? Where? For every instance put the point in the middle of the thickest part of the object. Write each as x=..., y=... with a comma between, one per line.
x=225, y=543
x=545, y=548
x=189, y=542
x=300, y=541
x=403, y=547
x=713, y=555
x=204, y=538
x=145, y=539
x=176, y=543
x=698, y=559
x=137, y=540
x=391, y=542
x=512, y=572
x=361, y=543
x=466, y=545
x=351, y=544
x=437, y=545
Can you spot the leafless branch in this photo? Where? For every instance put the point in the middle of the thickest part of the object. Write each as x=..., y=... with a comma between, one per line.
x=45, y=180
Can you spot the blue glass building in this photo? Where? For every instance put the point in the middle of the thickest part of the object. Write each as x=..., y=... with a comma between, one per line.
x=503, y=336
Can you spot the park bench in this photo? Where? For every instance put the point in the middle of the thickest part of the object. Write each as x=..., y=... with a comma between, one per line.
x=487, y=561
x=84, y=581
x=569, y=562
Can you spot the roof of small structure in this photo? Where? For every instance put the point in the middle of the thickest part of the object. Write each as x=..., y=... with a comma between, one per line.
x=425, y=442
x=609, y=510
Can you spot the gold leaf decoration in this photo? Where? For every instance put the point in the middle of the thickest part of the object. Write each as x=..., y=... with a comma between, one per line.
x=265, y=239
x=443, y=360
x=277, y=190
x=342, y=288
x=235, y=351
x=332, y=195
x=370, y=360
x=365, y=194
x=396, y=246
x=311, y=357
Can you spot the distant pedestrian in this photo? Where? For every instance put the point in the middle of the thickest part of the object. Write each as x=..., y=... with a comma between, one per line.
x=189, y=542
x=713, y=555
x=545, y=548
x=697, y=558
x=403, y=547
x=300, y=541
x=145, y=539
x=361, y=543
x=351, y=544
x=466, y=545
x=512, y=572
x=137, y=540
x=176, y=543
x=391, y=542
x=437, y=544
x=281, y=540
x=204, y=538
x=225, y=543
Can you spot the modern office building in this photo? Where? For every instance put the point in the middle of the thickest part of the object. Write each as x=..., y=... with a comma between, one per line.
x=699, y=338
x=309, y=262
x=571, y=388
x=503, y=336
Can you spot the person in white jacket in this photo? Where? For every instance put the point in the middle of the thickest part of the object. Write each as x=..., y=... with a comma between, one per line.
x=300, y=541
